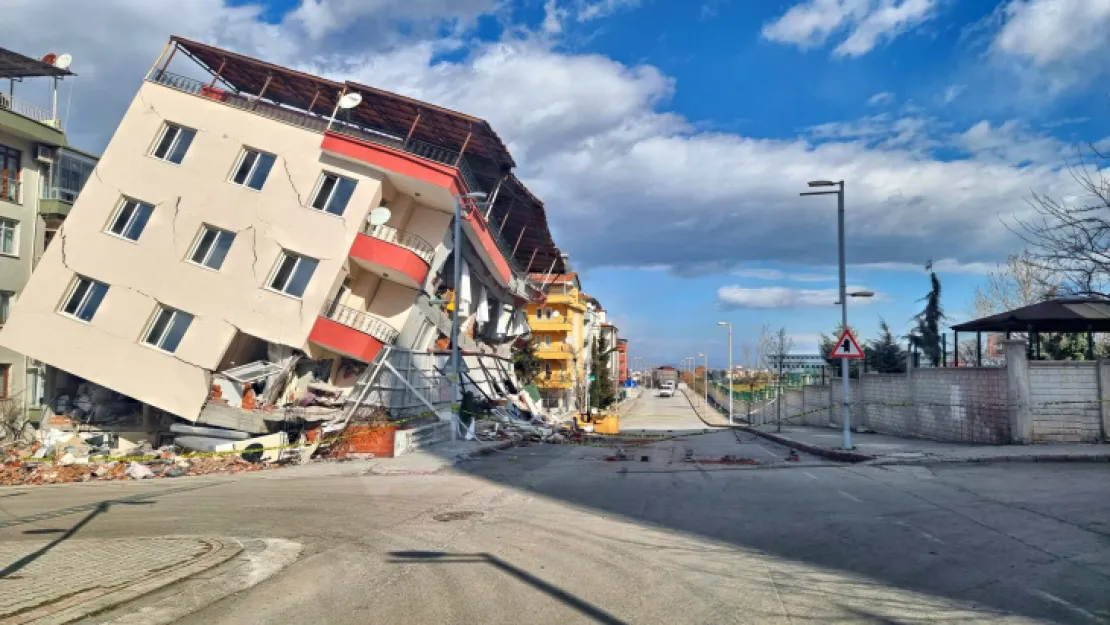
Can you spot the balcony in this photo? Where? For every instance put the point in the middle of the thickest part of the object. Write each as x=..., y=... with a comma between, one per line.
x=9, y=190
x=30, y=122
x=558, y=324
x=393, y=254
x=555, y=351
x=555, y=379
x=352, y=333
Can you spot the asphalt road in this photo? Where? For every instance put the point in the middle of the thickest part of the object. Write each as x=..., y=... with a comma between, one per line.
x=559, y=534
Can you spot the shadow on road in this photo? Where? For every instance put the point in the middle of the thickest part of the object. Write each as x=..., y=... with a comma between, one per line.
x=439, y=557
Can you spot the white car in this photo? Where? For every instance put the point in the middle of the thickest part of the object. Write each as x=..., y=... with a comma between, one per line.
x=667, y=390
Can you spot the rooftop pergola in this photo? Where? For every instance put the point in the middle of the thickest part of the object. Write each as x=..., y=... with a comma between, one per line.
x=15, y=66
x=1067, y=316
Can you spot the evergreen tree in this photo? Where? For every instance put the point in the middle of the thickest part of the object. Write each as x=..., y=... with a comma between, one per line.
x=527, y=364
x=926, y=335
x=884, y=354
x=602, y=391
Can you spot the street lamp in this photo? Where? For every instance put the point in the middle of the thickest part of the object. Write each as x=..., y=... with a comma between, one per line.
x=456, y=359
x=845, y=408
x=728, y=375
x=857, y=294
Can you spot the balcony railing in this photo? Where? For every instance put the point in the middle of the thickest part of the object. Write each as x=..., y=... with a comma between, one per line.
x=554, y=348
x=400, y=238
x=9, y=190
x=362, y=321
x=25, y=109
x=316, y=123
x=564, y=377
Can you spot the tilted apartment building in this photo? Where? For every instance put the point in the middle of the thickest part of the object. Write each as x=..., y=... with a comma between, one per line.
x=226, y=232
x=40, y=177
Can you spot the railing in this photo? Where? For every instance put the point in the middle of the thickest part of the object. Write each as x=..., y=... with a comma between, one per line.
x=362, y=321
x=9, y=190
x=555, y=376
x=556, y=348
x=400, y=238
x=36, y=113
x=316, y=123
x=57, y=193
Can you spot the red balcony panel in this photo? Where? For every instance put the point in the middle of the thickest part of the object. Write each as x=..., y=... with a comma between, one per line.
x=393, y=160
x=345, y=340
x=398, y=263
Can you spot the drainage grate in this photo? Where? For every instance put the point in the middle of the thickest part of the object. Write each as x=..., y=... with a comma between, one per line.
x=461, y=515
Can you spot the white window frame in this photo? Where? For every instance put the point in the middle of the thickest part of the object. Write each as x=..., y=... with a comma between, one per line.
x=77, y=279
x=166, y=127
x=208, y=255
x=123, y=202
x=277, y=267
x=145, y=340
x=5, y=223
x=254, y=167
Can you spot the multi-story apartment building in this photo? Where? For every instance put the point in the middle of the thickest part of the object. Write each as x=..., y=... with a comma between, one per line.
x=559, y=332
x=40, y=177
x=224, y=258
x=622, y=356
x=611, y=337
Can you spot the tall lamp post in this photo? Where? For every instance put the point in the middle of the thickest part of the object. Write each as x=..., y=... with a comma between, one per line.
x=845, y=407
x=728, y=375
x=706, y=375
x=456, y=359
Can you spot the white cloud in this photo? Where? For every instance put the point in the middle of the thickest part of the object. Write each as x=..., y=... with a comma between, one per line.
x=1048, y=31
x=879, y=99
x=736, y=296
x=951, y=93
x=947, y=265
x=868, y=22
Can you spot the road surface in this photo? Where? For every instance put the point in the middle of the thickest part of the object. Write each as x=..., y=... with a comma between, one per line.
x=560, y=534
x=652, y=413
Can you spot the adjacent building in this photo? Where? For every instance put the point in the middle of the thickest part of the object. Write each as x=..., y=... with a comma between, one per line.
x=40, y=178
x=264, y=237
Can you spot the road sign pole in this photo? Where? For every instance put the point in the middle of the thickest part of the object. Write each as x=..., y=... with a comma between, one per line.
x=845, y=409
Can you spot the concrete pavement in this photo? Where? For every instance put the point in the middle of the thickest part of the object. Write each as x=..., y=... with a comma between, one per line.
x=557, y=534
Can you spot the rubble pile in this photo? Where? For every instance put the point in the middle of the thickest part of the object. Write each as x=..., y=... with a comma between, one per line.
x=28, y=472
x=512, y=424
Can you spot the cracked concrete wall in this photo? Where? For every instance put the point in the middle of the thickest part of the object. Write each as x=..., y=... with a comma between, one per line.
x=108, y=350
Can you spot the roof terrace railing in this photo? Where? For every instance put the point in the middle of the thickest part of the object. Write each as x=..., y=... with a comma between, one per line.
x=26, y=109
x=316, y=123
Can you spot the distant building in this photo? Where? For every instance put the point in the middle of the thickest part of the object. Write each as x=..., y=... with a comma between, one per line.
x=797, y=363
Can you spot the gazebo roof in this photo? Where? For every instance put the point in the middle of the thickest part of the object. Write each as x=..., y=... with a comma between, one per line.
x=1058, y=315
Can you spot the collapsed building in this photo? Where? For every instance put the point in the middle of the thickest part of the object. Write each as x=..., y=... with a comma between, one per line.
x=260, y=248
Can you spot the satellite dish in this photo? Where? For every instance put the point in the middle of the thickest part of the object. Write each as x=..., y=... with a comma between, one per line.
x=350, y=101
x=50, y=58
x=63, y=61
x=379, y=215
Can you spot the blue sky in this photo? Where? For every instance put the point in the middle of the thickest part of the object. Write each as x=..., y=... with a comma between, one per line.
x=669, y=139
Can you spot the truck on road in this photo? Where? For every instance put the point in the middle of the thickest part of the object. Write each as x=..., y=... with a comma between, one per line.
x=667, y=390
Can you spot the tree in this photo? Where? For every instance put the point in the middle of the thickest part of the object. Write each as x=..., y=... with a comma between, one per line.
x=780, y=347
x=926, y=336
x=884, y=354
x=1071, y=239
x=527, y=364
x=602, y=391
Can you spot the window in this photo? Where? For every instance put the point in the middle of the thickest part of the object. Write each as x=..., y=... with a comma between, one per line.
x=5, y=374
x=84, y=298
x=252, y=168
x=5, y=306
x=10, y=165
x=130, y=219
x=292, y=274
x=173, y=143
x=9, y=237
x=167, y=328
x=539, y=313
x=332, y=194
x=211, y=247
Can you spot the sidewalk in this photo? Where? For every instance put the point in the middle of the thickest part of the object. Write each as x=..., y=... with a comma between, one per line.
x=881, y=449
x=709, y=415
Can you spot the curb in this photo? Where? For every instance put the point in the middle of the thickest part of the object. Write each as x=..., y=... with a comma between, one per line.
x=723, y=426
x=879, y=462
x=832, y=454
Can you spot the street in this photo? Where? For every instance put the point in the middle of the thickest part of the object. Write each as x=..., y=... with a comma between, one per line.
x=683, y=531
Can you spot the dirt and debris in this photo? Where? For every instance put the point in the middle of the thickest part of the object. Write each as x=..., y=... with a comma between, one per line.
x=728, y=459
x=20, y=472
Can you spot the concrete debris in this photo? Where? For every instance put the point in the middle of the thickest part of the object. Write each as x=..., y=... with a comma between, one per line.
x=137, y=471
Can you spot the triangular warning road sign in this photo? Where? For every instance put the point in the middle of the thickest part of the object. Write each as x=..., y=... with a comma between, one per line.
x=846, y=347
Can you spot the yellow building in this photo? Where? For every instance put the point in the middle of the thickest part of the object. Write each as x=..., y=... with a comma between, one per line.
x=559, y=338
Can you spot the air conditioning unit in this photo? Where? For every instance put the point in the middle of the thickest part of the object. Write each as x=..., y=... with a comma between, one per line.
x=44, y=154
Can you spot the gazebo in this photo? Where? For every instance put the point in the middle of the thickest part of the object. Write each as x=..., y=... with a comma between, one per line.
x=1066, y=315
